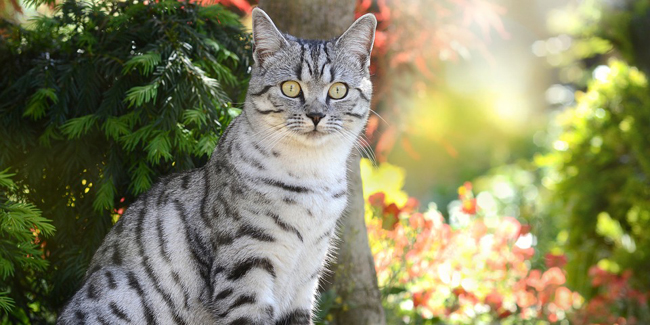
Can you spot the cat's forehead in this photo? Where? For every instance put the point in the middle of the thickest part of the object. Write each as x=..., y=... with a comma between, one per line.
x=312, y=61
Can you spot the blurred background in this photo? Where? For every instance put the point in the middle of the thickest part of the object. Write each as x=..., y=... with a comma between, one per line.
x=506, y=169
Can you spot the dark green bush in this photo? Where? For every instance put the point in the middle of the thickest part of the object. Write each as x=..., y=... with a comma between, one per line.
x=98, y=101
x=22, y=230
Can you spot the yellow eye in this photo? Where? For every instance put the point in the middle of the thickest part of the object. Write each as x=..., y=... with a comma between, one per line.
x=338, y=90
x=291, y=88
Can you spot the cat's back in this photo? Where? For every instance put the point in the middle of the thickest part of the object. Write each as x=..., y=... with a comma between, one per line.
x=156, y=258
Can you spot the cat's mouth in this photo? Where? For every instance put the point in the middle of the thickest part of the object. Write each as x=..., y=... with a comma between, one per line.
x=314, y=133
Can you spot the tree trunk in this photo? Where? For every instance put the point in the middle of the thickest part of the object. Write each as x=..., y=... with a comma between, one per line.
x=353, y=276
x=311, y=19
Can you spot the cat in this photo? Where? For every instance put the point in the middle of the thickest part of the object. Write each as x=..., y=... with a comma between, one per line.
x=244, y=239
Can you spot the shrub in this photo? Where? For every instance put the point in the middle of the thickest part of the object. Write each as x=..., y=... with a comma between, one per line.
x=22, y=233
x=599, y=172
x=101, y=99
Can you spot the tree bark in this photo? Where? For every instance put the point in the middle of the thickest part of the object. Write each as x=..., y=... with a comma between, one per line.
x=353, y=276
x=311, y=19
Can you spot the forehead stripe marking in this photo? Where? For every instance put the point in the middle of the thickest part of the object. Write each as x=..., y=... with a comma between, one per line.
x=306, y=61
x=353, y=114
x=362, y=94
x=314, y=58
x=299, y=68
x=263, y=91
x=327, y=60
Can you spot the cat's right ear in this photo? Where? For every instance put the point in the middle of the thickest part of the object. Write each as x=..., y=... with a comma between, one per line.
x=267, y=39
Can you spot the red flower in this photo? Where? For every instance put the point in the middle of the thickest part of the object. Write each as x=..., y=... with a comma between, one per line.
x=421, y=298
x=554, y=276
x=377, y=199
x=525, y=253
x=600, y=277
x=411, y=205
x=563, y=298
x=504, y=314
x=535, y=280
x=509, y=228
x=390, y=217
x=469, y=206
x=525, y=299
x=494, y=299
x=555, y=260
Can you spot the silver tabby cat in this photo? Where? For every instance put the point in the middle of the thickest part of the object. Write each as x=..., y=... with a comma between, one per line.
x=244, y=239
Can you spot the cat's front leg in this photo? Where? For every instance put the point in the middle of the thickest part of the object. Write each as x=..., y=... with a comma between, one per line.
x=300, y=312
x=244, y=295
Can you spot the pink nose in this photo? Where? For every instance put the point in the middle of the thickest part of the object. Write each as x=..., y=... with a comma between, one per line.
x=315, y=117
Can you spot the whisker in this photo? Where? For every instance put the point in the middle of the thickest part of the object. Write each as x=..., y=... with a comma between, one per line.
x=368, y=152
x=372, y=111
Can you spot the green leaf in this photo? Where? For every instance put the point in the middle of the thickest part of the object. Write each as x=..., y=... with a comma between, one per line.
x=131, y=141
x=79, y=126
x=37, y=104
x=141, y=179
x=24, y=216
x=195, y=116
x=6, y=268
x=6, y=303
x=115, y=127
x=5, y=179
x=49, y=133
x=142, y=94
x=207, y=144
x=159, y=147
x=105, y=196
x=211, y=43
x=144, y=63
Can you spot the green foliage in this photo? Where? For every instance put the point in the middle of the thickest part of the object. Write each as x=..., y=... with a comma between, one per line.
x=22, y=229
x=601, y=173
x=599, y=163
x=97, y=102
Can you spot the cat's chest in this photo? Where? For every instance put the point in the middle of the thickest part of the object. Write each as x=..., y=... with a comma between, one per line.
x=313, y=212
x=315, y=218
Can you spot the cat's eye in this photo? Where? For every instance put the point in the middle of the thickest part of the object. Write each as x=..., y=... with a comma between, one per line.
x=338, y=90
x=291, y=88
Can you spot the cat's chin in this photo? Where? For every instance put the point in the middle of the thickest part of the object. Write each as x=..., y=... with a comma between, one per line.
x=315, y=138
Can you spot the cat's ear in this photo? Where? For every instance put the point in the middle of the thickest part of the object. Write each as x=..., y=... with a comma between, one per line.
x=267, y=39
x=359, y=38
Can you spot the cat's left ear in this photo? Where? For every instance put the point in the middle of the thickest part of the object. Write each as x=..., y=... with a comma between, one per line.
x=267, y=39
x=359, y=38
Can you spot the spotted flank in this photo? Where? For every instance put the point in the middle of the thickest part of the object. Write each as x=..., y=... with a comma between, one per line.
x=245, y=238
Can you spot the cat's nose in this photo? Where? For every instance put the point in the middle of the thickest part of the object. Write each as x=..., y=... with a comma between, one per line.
x=315, y=117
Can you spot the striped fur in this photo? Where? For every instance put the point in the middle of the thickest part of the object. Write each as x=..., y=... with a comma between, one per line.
x=243, y=240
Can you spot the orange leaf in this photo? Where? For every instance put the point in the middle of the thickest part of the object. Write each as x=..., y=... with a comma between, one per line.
x=386, y=143
x=406, y=145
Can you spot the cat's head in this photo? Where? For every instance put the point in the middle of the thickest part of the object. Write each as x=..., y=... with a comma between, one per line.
x=312, y=92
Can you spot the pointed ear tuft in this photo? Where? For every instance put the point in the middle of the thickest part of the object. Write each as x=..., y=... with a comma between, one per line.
x=267, y=39
x=359, y=38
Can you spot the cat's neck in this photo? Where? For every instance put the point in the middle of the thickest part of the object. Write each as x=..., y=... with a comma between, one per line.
x=285, y=156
